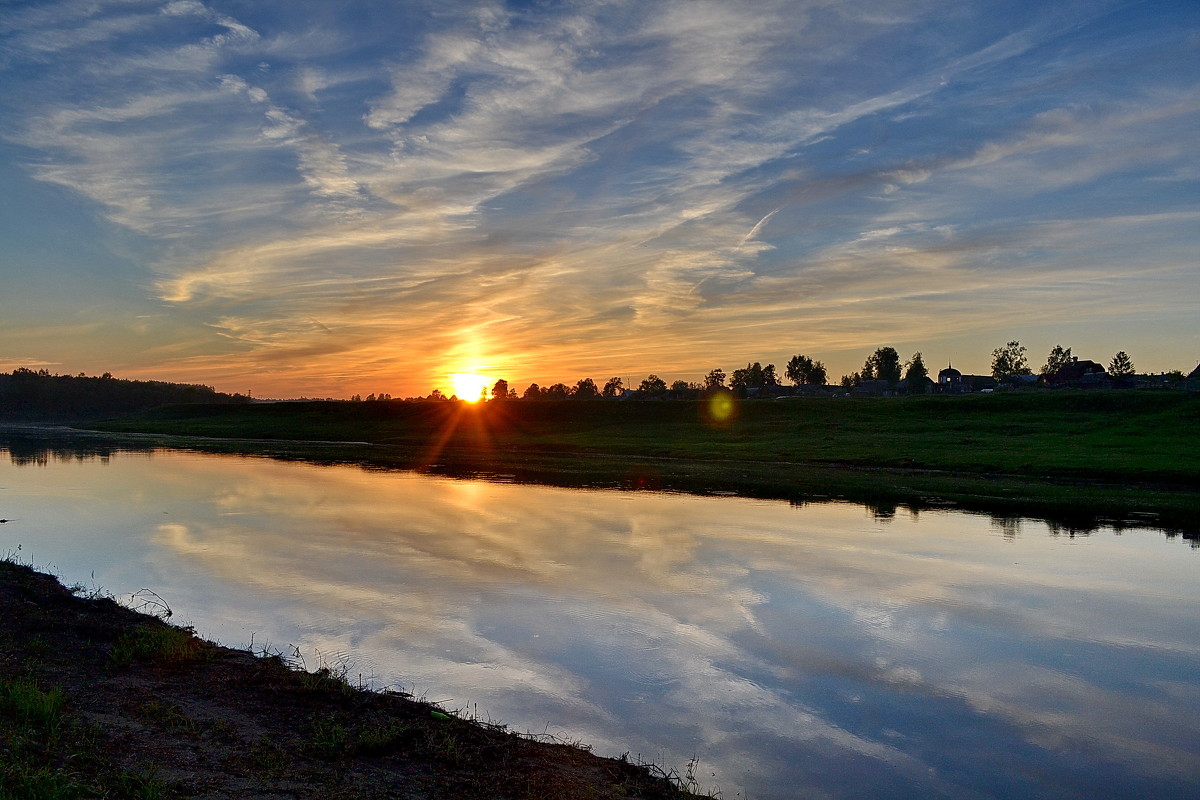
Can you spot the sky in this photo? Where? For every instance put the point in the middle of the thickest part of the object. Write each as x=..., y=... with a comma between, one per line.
x=321, y=199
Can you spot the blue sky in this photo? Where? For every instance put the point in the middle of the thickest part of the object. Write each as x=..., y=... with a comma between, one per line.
x=333, y=198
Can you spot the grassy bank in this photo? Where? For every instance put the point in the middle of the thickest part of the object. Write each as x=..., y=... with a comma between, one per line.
x=1077, y=457
x=97, y=701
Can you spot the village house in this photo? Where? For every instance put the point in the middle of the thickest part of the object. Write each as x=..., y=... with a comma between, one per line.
x=873, y=388
x=1084, y=374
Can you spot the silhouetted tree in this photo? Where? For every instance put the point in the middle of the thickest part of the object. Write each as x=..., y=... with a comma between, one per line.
x=753, y=376
x=533, y=392
x=585, y=389
x=817, y=375
x=1121, y=365
x=1010, y=360
x=29, y=395
x=653, y=386
x=803, y=370
x=916, y=374
x=748, y=376
x=769, y=379
x=1057, y=359
x=884, y=365
x=915, y=369
x=613, y=388
x=715, y=379
x=558, y=391
x=798, y=368
x=500, y=390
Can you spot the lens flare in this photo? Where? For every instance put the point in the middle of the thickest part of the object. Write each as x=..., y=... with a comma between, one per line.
x=719, y=407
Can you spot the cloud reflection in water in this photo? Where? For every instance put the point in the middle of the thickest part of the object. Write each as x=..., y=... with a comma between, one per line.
x=814, y=647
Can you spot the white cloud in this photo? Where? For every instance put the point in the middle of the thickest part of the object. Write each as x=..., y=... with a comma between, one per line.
x=312, y=80
x=658, y=168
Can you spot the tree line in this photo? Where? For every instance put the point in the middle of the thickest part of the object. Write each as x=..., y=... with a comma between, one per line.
x=801, y=370
x=884, y=366
x=1011, y=360
x=26, y=394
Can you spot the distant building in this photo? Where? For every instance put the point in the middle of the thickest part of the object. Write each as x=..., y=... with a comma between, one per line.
x=949, y=376
x=950, y=381
x=979, y=383
x=1085, y=373
x=872, y=388
x=923, y=385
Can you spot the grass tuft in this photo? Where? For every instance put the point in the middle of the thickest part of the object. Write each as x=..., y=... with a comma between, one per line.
x=384, y=737
x=30, y=722
x=20, y=780
x=28, y=706
x=142, y=785
x=157, y=644
x=328, y=738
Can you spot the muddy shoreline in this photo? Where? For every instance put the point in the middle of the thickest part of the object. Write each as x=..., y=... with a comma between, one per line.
x=100, y=700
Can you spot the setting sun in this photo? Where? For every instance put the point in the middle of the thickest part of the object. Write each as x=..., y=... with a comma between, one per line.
x=470, y=386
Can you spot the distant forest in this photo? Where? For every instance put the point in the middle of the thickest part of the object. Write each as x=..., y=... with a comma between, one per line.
x=27, y=395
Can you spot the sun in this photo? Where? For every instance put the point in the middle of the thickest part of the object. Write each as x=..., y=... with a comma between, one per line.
x=470, y=386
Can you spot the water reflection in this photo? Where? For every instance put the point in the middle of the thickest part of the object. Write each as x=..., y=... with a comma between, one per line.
x=35, y=446
x=817, y=651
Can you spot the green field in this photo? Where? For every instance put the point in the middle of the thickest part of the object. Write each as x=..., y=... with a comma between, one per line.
x=1079, y=457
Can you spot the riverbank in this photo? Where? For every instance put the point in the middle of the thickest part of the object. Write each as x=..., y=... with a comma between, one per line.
x=1080, y=459
x=98, y=700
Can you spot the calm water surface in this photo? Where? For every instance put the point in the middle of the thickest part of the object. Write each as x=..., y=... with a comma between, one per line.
x=814, y=651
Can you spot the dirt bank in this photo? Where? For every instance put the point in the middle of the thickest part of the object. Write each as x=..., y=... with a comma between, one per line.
x=97, y=700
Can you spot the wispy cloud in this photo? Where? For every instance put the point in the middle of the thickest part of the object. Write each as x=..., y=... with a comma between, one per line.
x=636, y=174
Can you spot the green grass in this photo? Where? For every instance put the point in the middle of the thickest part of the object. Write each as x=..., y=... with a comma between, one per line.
x=1121, y=454
x=159, y=644
x=1116, y=434
x=41, y=748
x=329, y=738
x=29, y=707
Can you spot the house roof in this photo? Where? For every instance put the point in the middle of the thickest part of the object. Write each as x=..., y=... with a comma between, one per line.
x=949, y=373
x=1075, y=371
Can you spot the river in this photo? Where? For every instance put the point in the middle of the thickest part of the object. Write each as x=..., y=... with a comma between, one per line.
x=775, y=651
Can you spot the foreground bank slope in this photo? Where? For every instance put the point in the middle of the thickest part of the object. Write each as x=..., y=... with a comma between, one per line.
x=1128, y=457
x=97, y=700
